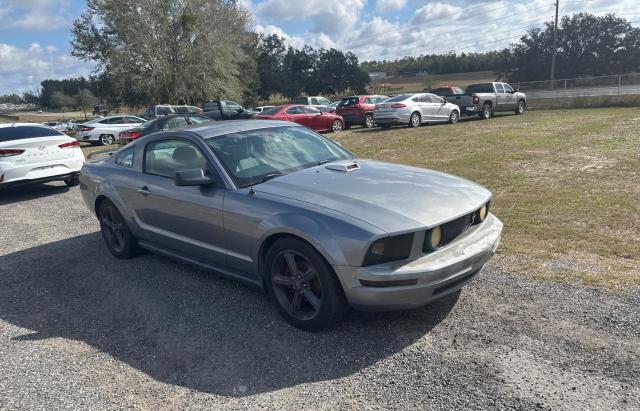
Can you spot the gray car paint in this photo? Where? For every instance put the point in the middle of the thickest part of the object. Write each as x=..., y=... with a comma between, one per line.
x=224, y=227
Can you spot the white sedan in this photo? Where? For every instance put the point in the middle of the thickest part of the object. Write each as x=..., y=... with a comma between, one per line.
x=414, y=110
x=35, y=153
x=105, y=130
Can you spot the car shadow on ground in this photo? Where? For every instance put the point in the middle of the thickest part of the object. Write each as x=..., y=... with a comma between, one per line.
x=187, y=327
x=31, y=192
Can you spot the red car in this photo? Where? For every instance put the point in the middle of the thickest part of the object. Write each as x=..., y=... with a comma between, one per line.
x=306, y=115
x=358, y=110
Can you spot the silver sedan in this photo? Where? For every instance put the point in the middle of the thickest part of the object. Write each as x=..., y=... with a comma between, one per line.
x=414, y=110
x=281, y=207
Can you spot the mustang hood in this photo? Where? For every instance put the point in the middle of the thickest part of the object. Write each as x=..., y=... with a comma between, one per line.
x=391, y=197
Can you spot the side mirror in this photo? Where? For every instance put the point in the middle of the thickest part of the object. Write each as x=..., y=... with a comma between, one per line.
x=444, y=101
x=194, y=177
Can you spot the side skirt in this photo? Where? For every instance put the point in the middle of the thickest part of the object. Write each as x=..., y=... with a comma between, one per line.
x=206, y=266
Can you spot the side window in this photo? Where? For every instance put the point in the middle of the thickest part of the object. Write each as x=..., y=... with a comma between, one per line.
x=310, y=110
x=499, y=88
x=131, y=120
x=232, y=106
x=175, y=122
x=323, y=101
x=117, y=120
x=314, y=101
x=163, y=111
x=125, y=158
x=368, y=100
x=508, y=88
x=167, y=157
x=294, y=110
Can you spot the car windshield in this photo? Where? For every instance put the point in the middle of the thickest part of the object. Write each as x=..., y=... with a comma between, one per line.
x=251, y=157
x=23, y=132
x=270, y=111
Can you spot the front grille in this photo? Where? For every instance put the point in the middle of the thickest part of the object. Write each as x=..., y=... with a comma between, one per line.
x=453, y=229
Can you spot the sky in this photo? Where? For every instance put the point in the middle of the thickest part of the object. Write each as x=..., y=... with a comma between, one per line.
x=35, y=34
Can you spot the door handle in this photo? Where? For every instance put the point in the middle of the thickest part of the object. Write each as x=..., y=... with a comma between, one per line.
x=144, y=190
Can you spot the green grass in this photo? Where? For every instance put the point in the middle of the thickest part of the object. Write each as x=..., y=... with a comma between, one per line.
x=566, y=184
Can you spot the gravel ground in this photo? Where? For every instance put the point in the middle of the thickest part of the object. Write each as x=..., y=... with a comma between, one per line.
x=81, y=329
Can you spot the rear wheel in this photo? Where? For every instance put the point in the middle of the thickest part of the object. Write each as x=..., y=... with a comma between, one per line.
x=302, y=285
x=106, y=139
x=415, y=120
x=72, y=181
x=336, y=126
x=486, y=112
x=520, y=107
x=119, y=239
x=454, y=117
x=368, y=121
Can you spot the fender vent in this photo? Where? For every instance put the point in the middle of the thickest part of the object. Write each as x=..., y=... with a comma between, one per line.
x=344, y=168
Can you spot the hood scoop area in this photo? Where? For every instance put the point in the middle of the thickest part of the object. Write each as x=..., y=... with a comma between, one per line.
x=344, y=167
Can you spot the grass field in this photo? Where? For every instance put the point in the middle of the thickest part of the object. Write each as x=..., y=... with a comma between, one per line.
x=566, y=184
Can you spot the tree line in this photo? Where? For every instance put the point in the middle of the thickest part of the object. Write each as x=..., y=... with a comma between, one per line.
x=588, y=45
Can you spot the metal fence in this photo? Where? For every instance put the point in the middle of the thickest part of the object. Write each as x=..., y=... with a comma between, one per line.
x=617, y=85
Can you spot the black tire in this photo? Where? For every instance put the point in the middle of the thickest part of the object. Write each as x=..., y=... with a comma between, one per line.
x=486, y=112
x=115, y=233
x=454, y=117
x=415, y=120
x=520, y=108
x=368, y=121
x=337, y=126
x=312, y=303
x=72, y=181
x=107, y=139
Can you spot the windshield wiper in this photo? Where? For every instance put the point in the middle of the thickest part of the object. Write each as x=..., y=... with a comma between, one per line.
x=270, y=176
x=324, y=162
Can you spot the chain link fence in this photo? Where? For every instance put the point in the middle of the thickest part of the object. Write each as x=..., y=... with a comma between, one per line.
x=617, y=85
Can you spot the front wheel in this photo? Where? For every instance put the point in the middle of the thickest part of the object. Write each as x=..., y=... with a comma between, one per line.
x=415, y=120
x=454, y=117
x=302, y=286
x=106, y=139
x=336, y=126
x=520, y=108
x=115, y=232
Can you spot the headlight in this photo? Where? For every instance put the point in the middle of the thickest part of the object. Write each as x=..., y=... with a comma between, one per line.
x=389, y=249
x=432, y=239
x=482, y=213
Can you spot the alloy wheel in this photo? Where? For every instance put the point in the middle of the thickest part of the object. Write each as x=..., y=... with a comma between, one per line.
x=415, y=120
x=520, y=107
x=106, y=139
x=368, y=121
x=296, y=285
x=113, y=228
x=336, y=126
x=453, y=118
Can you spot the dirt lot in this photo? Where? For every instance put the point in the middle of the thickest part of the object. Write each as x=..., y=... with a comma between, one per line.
x=80, y=329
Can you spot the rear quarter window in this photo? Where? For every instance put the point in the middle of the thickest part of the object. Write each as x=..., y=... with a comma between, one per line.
x=125, y=158
x=24, y=132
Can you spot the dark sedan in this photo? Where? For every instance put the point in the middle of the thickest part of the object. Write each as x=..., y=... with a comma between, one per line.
x=169, y=122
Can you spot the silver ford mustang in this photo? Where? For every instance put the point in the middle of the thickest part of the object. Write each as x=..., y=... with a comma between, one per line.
x=286, y=209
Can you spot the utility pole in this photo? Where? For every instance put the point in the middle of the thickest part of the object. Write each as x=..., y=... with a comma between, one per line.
x=555, y=45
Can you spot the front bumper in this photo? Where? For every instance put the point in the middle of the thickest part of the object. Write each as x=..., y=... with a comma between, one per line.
x=438, y=274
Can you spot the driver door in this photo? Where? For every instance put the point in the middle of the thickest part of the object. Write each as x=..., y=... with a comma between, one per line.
x=184, y=219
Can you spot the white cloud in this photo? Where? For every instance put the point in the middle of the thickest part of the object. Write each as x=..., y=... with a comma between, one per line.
x=383, y=6
x=325, y=16
x=433, y=11
x=36, y=15
x=293, y=41
x=24, y=69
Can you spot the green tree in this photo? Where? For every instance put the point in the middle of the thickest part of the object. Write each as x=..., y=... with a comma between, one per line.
x=166, y=50
x=84, y=99
x=60, y=100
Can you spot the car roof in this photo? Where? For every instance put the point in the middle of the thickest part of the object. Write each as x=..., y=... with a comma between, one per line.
x=235, y=126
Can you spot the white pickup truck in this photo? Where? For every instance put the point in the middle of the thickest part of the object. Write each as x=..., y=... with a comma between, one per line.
x=484, y=99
